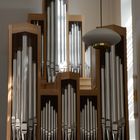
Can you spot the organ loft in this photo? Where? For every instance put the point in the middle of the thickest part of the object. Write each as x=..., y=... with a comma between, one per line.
x=61, y=85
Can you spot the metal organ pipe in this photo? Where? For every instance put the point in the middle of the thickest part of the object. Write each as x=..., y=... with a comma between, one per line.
x=48, y=45
x=113, y=93
x=103, y=101
x=14, y=97
x=52, y=41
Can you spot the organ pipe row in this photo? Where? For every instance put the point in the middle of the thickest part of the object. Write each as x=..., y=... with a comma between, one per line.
x=88, y=121
x=75, y=53
x=48, y=122
x=38, y=23
x=69, y=112
x=56, y=39
x=112, y=96
x=24, y=93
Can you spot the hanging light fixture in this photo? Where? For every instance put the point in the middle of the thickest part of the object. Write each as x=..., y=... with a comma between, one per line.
x=101, y=37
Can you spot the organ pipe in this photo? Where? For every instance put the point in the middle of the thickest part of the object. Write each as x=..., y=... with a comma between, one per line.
x=14, y=97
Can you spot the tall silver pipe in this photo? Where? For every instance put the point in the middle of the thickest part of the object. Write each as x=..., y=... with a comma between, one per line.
x=122, y=89
x=62, y=30
x=85, y=122
x=30, y=82
x=75, y=46
x=30, y=117
x=42, y=54
x=57, y=20
x=122, y=100
x=14, y=100
x=18, y=111
x=103, y=101
x=66, y=113
x=63, y=104
x=24, y=76
x=118, y=91
x=79, y=50
x=44, y=121
x=59, y=32
x=72, y=111
x=41, y=124
x=52, y=122
x=73, y=42
x=74, y=115
x=94, y=123
x=114, y=93
x=107, y=100
x=56, y=125
x=88, y=120
x=52, y=41
x=70, y=50
x=48, y=43
x=81, y=125
x=46, y=125
x=65, y=34
x=69, y=111
x=91, y=120
x=49, y=120
x=34, y=99
x=72, y=46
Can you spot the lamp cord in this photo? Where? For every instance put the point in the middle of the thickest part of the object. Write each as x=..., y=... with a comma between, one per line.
x=101, y=13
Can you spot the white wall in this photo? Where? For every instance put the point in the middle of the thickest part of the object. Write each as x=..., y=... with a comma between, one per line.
x=90, y=11
x=136, y=44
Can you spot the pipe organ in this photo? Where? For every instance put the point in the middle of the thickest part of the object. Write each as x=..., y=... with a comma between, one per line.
x=88, y=119
x=68, y=112
x=47, y=66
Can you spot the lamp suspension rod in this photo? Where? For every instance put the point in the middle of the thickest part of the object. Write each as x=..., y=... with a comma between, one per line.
x=101, y=13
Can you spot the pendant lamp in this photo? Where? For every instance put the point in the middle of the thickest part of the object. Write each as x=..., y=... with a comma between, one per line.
x=101, y=37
